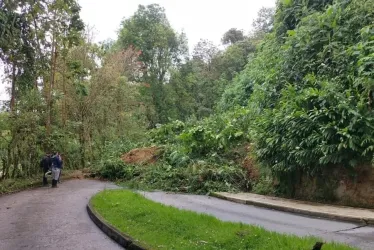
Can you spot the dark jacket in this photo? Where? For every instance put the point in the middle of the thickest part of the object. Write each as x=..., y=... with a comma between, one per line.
x=56, y=162
x=46, y=163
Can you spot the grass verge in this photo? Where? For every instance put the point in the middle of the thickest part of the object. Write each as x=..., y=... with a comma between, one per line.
x=9, y=186
x=164, y=227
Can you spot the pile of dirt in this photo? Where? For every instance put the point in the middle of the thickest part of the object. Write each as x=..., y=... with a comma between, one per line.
x=142, y=156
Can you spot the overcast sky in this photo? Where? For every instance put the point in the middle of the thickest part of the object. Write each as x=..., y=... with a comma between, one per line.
x=208, y=19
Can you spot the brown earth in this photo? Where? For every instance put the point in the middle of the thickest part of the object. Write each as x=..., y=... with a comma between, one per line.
x=352, y=188
x=142, y=156
x=250, y=166
x=248, y=163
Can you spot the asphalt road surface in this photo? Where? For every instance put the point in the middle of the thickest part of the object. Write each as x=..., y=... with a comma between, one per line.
x=51, y=219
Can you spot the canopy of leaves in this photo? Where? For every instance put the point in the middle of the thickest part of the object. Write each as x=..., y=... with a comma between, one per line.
x=149, y=31
x=233, y=36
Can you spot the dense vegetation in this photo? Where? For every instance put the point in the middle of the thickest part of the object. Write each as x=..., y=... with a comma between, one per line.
x=67, y=94
x=156, y=226
x=293, y=98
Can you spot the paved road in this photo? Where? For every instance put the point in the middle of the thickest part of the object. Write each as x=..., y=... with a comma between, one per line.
x=52, y=219
x=362, y=237
x=57, y=219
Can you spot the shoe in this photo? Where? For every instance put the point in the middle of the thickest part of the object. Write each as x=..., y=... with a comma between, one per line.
x=54, y=184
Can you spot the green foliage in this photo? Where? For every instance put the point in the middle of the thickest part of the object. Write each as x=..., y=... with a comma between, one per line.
x=110, y=166
x=149, y=31
x=197, y=157
x=264, y=186
x=206, y=138
x=290, y=12
x=112, y=169
x=200, y=177
x=167, y=133
x=233, y=36
x=310, y=93
x=300, y=89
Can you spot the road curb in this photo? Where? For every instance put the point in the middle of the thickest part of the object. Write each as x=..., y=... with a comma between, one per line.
x=122, y=239
x=363, y=221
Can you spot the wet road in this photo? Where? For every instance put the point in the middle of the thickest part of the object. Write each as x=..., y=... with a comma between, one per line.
x=48, y=218
x=53, y=219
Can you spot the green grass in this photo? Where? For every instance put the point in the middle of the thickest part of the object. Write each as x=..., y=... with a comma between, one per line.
x=164, y=227
x=15, y=185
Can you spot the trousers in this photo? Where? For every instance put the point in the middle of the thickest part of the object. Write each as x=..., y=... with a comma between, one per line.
x=55, y=173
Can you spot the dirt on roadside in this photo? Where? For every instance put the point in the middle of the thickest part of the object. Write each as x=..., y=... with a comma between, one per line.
x=142, y=156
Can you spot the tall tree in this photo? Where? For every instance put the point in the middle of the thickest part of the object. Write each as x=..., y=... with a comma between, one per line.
x=264, y=22
x=65, y=27
x=205, y=51
x=233, y=36
x=149, y=31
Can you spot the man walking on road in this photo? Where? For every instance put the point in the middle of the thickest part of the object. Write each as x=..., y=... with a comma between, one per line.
x=56, y=169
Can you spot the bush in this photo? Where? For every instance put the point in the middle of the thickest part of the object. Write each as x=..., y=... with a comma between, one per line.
x=112, y=169
x=200, y=178
x=214, y=135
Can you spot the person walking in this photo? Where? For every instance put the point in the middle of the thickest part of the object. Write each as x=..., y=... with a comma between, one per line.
x=45, y=164
x=56, y=169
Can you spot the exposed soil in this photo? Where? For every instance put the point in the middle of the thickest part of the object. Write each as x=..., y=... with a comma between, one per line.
x=247, y=162
x=253, y=171
x=142, y=156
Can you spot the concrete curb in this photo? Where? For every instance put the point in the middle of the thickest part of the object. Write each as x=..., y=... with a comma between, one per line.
x=332, y=216
x=122, y=239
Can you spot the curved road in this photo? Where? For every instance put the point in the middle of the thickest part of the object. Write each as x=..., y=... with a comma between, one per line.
x=57, y=219
x=52, y=219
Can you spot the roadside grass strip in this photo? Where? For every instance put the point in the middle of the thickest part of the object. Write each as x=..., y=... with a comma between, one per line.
x=164, y=227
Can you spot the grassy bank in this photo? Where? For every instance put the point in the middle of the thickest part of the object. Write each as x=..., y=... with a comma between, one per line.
x=16, y=185
x=163, y=227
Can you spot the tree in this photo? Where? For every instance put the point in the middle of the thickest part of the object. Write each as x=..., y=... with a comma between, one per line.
x=149, y=31
x=65, y=26
x=290, y=13
x=233, y=36
x=17, y=47
x=264, y=23
x=205, y=52
x=29, y=55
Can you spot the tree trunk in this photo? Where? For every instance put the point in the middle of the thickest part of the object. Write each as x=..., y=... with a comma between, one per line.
x=51, y=84
x=4, y=169
x=64, y=112
x=13, y=93
x=83, y=148
x=82, y=141
x=15, y=167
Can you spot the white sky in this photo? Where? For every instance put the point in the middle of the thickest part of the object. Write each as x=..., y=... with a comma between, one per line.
x=207, y=19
